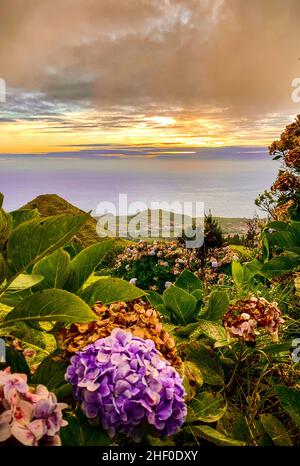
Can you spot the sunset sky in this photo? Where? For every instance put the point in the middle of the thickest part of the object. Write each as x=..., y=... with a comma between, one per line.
x=170, y=74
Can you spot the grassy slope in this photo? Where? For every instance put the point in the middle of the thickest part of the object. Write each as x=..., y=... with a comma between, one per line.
x=51, y=204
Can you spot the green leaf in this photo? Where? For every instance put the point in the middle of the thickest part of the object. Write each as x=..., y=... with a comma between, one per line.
x=51, y=372
x=234, y=425
x=237, y=273
x=211, y=330
x=181, y=304
x=55, y=269
x=19, y=289
x=13, y=298
x=108, y=290
x=254, y=266
x=163, y=310
x=276, y=430
x=79, y=432
x=154, y=298
x=16, y=361
x=25, y=281
x=278, y=348
x=188, y=282
x=279, y=265
x=33, y=240
x=63, y=392
x=198, y=294
x=208, y=362
x=185, y=331
x=206, y=407
x=51, y=305
x=84, y=264
x=289, y=399
x=23, y=215
x=192, y=378
x=217, y=305
x=213, y=436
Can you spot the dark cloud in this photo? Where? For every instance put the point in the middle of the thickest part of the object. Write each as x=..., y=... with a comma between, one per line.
x=231, y=60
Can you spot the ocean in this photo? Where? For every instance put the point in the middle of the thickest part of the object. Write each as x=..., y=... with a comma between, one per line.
x=226, y=184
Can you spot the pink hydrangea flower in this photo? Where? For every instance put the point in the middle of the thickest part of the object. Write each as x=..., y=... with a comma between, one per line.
x=31, y=418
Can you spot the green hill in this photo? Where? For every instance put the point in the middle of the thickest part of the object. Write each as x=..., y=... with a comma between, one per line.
x=52, y=204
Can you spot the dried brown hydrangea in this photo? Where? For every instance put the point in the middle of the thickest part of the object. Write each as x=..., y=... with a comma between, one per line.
x=137, y=316
x=282, y=211
x=246, y=316
x=286, y=181
x=292, y=158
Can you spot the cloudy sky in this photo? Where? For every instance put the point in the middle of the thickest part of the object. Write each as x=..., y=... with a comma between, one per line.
x=163, y=73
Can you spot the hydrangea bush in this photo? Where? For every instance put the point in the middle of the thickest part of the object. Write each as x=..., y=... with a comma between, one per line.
x=28, y=416
x=152, y=265
x=123, y=382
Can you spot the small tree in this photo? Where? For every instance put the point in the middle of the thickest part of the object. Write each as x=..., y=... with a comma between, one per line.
x=213, y=235
x=254, y=228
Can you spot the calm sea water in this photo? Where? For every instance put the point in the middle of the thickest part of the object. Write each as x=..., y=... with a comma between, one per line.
x=227, y=185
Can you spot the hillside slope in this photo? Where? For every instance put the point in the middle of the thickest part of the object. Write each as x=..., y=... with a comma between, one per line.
x=52, y=204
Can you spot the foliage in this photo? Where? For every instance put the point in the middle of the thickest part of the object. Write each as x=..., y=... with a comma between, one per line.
x=153, y=265
x=282, y=202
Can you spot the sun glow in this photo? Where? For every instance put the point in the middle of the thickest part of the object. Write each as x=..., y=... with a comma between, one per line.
x=62, y=132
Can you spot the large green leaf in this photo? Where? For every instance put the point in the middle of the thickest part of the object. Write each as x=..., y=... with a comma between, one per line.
x=280, y=265
x=210, y=329
x=13, y=298
x=25, y=281
x=234, y=425
x=276, y=430
x=19, y=289
x=188, y=282
x=84, y=264
x=213, y=436
x=108, y=290
x=206, y=407
x=217, y=305
x=208, y=362
x=238, y=273
x=181, y=304
x=154, y=298
x=23, y=215
x=51, y=305
x=55, y=269
x=278, y=348
x=33, y=240
x=79, y=432
x=192, y=378
x=51, y=372
x=289, y=399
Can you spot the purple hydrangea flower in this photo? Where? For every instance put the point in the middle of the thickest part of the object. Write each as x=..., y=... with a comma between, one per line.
x=123, y=381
